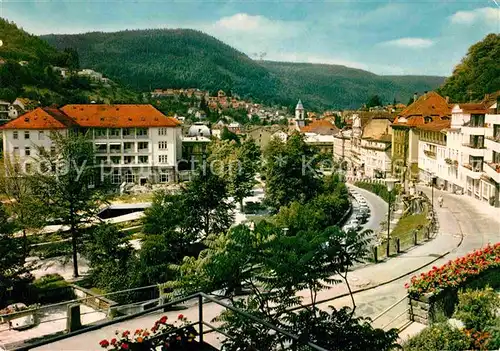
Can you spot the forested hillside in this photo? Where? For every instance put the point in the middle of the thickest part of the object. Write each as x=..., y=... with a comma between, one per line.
x=182, y=58
x=26, y=69
x=478, y=73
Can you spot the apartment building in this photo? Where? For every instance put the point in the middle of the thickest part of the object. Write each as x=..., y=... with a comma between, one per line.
x=476, y=130
x=433, y=153
x=342, y=146
x=135, y=143
x=425, y=109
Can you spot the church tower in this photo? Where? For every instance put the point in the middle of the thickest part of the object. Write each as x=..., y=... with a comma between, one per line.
x=299, y=110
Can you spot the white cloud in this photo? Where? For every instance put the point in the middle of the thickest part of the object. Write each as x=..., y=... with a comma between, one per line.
x=487, y=14
x=412, y=43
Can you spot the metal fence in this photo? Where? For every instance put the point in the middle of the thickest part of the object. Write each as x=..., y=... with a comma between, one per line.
x=203, y=327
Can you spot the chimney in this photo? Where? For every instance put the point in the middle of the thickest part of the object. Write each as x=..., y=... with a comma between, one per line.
x=425, y=93
x=447, y=99
x=415, y=97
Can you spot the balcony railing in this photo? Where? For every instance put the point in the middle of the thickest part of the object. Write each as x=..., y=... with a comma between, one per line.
x=494, y=138
x=294, y=341
x=115, y=151
x=430, y=154
x=101, y=151
x=474, y=146
x=474, y=168
x=494, y=166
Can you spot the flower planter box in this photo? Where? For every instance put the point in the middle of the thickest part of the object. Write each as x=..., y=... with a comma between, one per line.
x=436, y=292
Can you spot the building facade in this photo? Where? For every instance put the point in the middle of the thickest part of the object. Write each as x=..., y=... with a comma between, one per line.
x=134, y=143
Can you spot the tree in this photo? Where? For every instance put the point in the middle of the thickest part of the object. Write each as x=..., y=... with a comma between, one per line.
x=206, y=201
x=24, y=206
x=477, y=74
x=274, y=267
x=374, y=101
x=290, y=165
x=14, y=274
x=237, y=164
x=226, y=134
x=64, y=185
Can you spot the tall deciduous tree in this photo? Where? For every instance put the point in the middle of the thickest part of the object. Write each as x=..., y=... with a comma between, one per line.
x=291, y=171
x=65, y=185
x=24, y=206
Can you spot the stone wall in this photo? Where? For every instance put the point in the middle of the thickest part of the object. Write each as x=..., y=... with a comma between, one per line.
x=93, y=299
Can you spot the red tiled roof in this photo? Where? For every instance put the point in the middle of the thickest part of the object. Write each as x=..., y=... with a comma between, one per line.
x=429, y=105
x=104, y=116
x=118, y=116
x=473, y=108
x=39, y=118
x=320, y=126
x=436, y=125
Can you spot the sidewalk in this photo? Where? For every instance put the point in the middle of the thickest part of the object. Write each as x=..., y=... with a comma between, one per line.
x=387, y=276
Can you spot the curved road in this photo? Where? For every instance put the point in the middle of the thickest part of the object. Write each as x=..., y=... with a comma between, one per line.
x=378, y=208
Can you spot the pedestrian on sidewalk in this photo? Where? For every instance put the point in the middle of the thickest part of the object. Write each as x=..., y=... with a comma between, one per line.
x=440, y=201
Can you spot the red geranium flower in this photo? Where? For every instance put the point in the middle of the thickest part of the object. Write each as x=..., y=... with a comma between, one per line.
x=163, y=320
x=180, y=316
x=104, y=343
x=124, y=346
x=125, y=333
x=113, y=341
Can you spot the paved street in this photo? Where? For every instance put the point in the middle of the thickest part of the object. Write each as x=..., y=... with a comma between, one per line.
x=476, y=221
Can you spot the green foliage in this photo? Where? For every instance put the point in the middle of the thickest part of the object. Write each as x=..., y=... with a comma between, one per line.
x=291, y=171
x=440, y=336
x=478, y=73
x=183, y=58
x=338, y=330
x=374, y=101
x=226, y=134
x=50, y=288
x=477, y=308
x=63, y=188
x=14, y=275
x=38, y=81
x=378, y=189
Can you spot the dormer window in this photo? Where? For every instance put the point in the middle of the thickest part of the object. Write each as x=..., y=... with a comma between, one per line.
x=428, y=119
x=26, y=119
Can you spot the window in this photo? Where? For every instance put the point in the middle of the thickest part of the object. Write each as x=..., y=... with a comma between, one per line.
x=27, y=167
x=100, y=132
x=128, y=159
x=163, y=177
x=41, y=135
x=114, y=132
x=116, y=177
x=15, y=134
x=52, y=151
x=16, y=150
x=143, y=145
x=128, y=133
x=162, y=131
x=163, y=145
x=141, y=132
x=162, y=159
x=27, y=151
x=26, y=134
x=143, y=159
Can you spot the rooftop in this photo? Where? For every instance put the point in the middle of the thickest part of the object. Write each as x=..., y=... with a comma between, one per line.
x=435, y=126
x=92, y=115
x=430, y=104
x=320, y=126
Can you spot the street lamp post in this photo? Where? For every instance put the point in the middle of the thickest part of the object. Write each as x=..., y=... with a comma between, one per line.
x=390, y=186
x=433, y=180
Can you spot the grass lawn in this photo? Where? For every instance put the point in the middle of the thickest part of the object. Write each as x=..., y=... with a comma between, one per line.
x=406, y=226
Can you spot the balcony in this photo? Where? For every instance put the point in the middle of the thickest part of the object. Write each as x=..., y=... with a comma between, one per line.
x=474, y=149
x=472, y=172
x=493, y=143
x=493, y=171
x=430, y=154
x=473, y=129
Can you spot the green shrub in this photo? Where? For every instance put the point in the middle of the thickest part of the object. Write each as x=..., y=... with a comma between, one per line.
x=440, y=336
x=476, y=308
x=51, y=288
x=378, y=189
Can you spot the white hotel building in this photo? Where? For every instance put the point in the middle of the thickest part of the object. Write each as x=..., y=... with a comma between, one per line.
x=464, y=155
x=135, y=143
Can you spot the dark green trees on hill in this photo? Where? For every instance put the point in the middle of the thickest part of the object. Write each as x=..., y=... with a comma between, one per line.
x=478, y=73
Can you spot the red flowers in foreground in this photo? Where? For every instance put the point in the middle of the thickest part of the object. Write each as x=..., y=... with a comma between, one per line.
x=456, y=272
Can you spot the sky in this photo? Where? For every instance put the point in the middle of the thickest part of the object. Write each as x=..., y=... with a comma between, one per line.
x=423, y=37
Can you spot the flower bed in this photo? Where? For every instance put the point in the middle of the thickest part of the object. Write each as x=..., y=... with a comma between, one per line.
x=179, y=335
x=455, y=273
